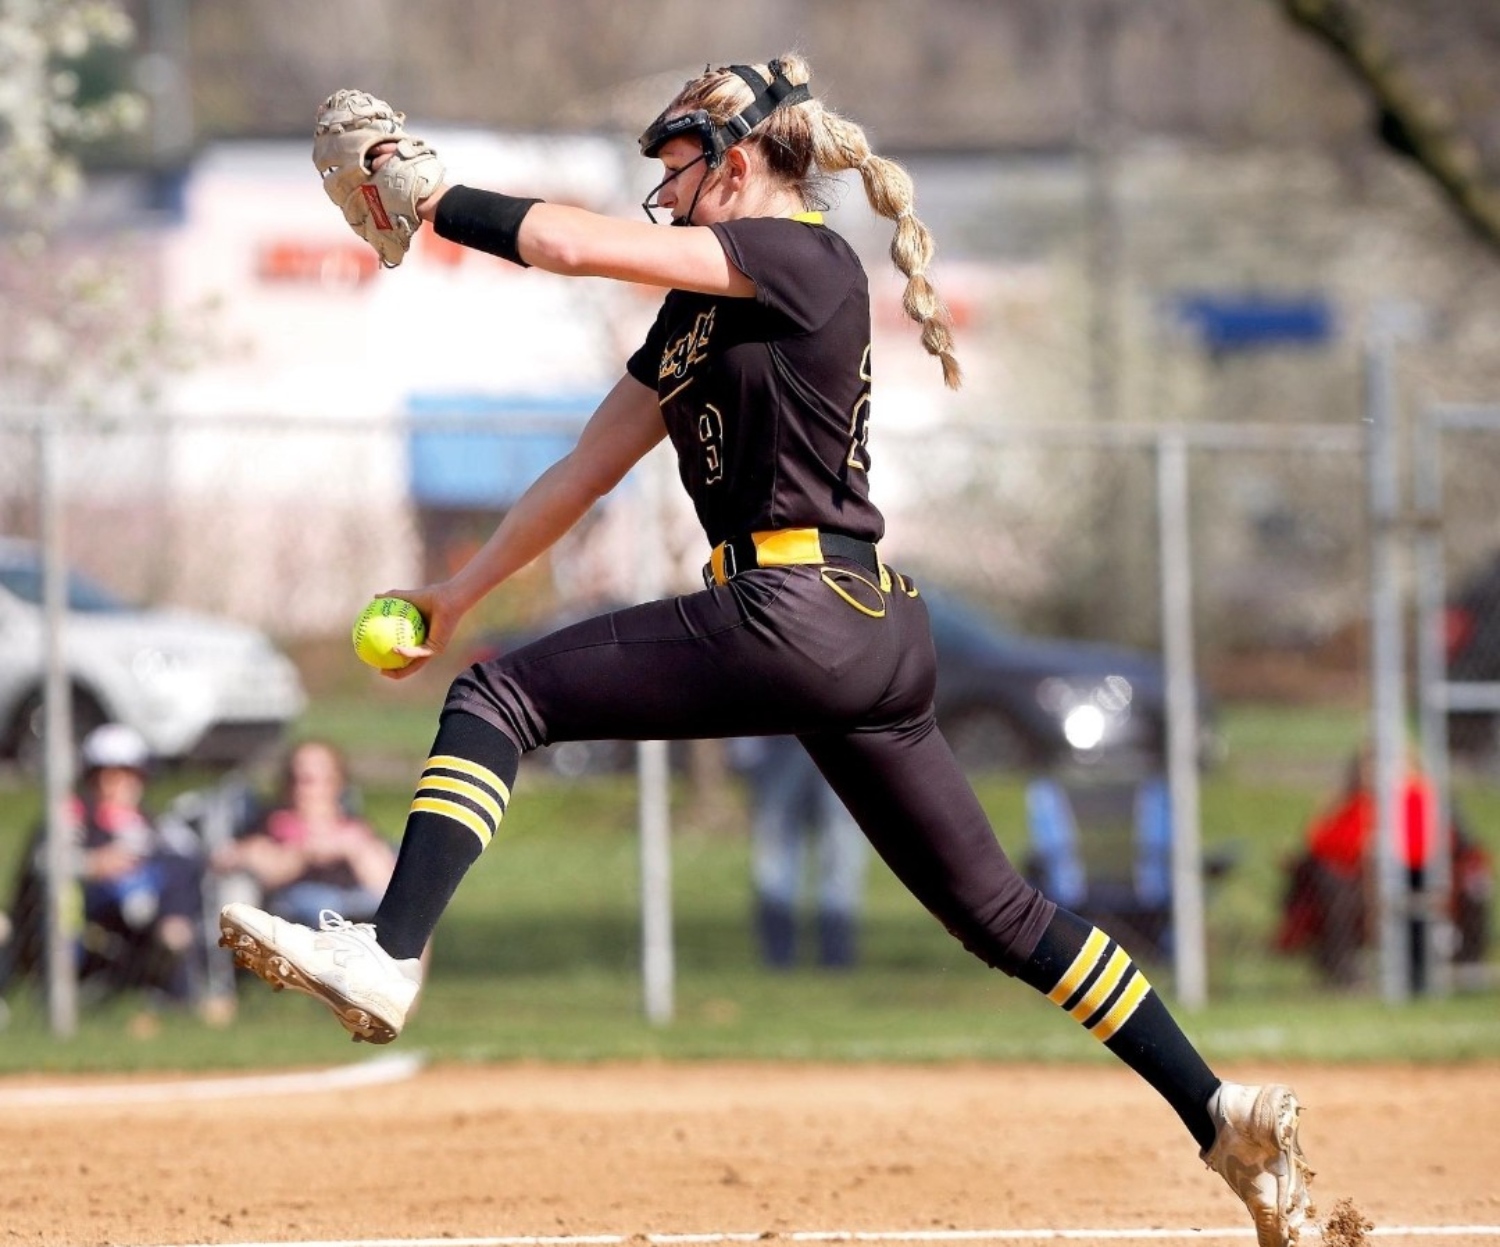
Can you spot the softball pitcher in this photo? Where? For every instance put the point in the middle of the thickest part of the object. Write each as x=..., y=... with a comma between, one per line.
x=758, y=370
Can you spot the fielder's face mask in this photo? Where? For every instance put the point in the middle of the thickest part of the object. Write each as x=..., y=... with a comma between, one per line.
x=713, y=139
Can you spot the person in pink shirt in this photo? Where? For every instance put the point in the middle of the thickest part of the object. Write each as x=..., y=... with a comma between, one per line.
x=310, y=853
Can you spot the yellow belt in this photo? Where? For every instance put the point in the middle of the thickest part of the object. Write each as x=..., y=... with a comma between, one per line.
x=778, y=547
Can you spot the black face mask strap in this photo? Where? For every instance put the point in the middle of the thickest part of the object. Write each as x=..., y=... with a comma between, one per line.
x=715, y=140
x=769, y=96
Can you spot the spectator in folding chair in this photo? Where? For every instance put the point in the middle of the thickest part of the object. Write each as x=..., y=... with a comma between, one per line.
x=311, y=852
x=139, y=878
x=142, y=878
x=1326, y=908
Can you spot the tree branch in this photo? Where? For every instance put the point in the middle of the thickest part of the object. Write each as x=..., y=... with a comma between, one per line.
x=1412, y=121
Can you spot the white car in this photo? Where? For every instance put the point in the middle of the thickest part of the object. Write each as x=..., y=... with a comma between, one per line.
x=198, y=688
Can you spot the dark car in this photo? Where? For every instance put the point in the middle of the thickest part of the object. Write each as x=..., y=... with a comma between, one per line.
x=1472, y=644
x=1013, y=702
x=1005, y=701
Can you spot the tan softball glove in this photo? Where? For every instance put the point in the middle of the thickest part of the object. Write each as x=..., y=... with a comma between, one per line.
x=380, y=205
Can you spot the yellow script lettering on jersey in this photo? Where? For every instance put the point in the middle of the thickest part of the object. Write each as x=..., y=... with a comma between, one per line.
x=690, y=349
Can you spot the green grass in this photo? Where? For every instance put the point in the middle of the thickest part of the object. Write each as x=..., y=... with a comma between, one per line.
x=538, y=957
x=1271, y=734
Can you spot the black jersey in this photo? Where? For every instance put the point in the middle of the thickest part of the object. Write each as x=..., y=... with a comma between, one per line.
x=767, y=399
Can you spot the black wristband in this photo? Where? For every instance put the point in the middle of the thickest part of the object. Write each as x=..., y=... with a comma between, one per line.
x=484, y=220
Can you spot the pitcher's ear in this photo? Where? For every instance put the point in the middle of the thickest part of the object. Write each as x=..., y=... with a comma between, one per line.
x=737, y=162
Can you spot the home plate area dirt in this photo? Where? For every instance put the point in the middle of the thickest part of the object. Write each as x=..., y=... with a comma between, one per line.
x=625, y=1152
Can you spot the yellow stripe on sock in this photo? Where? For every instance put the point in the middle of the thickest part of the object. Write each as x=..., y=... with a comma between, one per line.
x=1082, y=965
x=1122, y=1010
x=463, y=788
x=458, y=813
x=1104, y=985
x=450, y=762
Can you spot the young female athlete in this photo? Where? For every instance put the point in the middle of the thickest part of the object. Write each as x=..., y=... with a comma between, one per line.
x=758, y=369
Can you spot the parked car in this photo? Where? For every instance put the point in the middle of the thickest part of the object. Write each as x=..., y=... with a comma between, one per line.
x=1009, y=701
x=198, y=688
x=1472, y=642
x=1005, y=701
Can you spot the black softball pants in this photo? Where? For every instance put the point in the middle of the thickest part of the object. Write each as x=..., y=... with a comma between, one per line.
x=820, y=652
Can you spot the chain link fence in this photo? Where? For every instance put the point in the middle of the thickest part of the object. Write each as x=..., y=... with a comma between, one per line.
x=1039, y=547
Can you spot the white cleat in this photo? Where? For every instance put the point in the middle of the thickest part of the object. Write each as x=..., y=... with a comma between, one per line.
x=1257, y=1153
x=340, y=964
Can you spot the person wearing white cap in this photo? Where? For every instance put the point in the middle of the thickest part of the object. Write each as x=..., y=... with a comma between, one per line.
x=142, y=887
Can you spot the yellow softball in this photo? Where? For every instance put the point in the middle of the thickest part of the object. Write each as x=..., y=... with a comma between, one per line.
x=383, y=625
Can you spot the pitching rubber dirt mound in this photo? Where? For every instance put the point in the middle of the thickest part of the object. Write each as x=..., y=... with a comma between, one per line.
x=494, y=1151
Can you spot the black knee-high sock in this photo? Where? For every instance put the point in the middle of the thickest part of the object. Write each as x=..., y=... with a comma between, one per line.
x=460, y=799
x=1080, y=969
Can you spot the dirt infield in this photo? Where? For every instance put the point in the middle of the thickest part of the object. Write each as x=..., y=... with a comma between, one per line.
x=493, y=1151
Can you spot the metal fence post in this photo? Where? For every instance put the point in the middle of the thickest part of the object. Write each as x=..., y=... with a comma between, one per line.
x=1432, y=713
x=1440, y=696
x=1388, y=700
x=658, y=964
x=57, y=729
x=1189, y=955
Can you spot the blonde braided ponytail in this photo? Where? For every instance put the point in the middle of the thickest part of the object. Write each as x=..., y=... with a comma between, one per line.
x=804, y=142
x=840, y=144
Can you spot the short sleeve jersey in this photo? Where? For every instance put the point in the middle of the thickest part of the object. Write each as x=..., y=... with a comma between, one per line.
x=767, y=399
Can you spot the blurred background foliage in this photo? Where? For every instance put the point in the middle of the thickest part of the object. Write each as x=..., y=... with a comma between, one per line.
x=1363, y=77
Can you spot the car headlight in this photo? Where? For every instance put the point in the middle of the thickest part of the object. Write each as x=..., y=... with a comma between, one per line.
x=1087, y=710
x=1083, y=726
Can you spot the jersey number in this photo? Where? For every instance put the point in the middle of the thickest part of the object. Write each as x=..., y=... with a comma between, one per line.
x=711, y=435
x=859, y=421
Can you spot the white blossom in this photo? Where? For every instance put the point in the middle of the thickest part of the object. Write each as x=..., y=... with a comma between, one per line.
x=39, y=113
x=71, y=327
